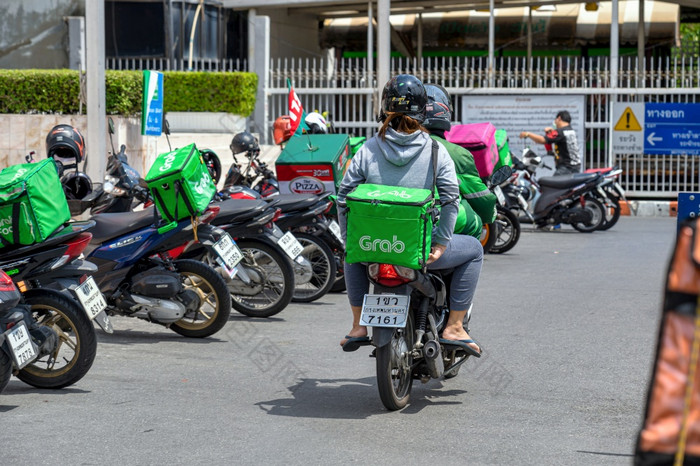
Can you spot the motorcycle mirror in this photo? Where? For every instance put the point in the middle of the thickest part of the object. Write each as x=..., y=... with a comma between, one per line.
x=166, y=130
x=110, y=126
x=501, y=175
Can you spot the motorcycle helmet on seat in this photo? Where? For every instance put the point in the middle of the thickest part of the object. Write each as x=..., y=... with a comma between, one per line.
x=76, y=185
x=282, y=129
x=439, y=109
x=65, y=142
x=404, y=94
x=244, y=142
x=316, y=123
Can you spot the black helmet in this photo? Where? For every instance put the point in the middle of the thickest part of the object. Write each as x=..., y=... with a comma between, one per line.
x=76, y=185
x=65, y=141
x=439, y=110
x=244, y=142
x=404, y=94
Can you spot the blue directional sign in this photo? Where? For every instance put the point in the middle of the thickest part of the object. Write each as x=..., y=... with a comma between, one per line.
x=672, y=129
x=152, y=105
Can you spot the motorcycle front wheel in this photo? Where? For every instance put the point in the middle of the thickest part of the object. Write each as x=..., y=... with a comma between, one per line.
x=394, y=368
x=5, y=369
x=508, y=231
x=597, y=211
x=215, y=300
x=323, y=267
x=489, y=234
x=77, y=342
x=272, y=281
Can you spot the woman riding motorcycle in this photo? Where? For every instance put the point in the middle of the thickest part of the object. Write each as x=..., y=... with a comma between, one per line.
x=401, y=155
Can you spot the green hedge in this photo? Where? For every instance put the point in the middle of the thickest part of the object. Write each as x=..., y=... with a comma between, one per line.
x=57, y=91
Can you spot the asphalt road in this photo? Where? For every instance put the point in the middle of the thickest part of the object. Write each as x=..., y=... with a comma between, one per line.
x=568, y=322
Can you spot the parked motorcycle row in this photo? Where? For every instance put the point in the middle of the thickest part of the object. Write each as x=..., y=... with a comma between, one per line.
x=248, y=248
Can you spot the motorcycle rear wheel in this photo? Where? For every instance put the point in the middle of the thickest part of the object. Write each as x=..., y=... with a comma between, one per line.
x=597, y=210
x=77, y=342
x=508, y=231
x=215, y=307
x=612, y=211
x=394, y=368
x=323, y=266
x=277, y=283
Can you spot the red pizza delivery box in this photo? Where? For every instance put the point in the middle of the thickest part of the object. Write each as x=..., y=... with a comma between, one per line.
x=313, y=163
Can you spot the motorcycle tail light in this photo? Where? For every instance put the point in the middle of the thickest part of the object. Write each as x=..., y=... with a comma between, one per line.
x=390, y=275
x=6, y=283
x=328, y=207
x=278, y=214
x=209, y=215
x=76, y=246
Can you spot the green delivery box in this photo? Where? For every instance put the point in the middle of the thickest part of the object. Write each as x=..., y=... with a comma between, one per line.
x=313, y=163
x=389, y=224
x=32, y=203
x=180, y=184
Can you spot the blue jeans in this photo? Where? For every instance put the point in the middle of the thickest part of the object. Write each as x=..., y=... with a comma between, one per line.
x=463, y=255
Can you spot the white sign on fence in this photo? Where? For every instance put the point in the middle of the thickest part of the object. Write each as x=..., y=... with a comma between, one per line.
x=628, y=128
x=526, y=113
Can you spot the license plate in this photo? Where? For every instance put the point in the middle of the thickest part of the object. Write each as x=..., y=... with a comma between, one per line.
x=290, y=245
x=499, y=194
x=228, y=251
x=384, y=310
x=21, y=346
x=91, y=298
x=335, y=230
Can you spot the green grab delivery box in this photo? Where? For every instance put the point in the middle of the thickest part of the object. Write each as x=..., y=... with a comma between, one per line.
x=504, y=157
x=313, y=163
x=180, y=184
x=389, y=225
x=32, y=203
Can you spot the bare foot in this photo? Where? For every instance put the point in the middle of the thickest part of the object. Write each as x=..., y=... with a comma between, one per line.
x=357, y=331
x=457, y=332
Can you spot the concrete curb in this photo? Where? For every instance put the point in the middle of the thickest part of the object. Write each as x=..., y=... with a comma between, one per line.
x=649, y=208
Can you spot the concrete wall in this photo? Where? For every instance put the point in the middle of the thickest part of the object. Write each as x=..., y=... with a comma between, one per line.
x=34, y=32
x=20, y=134
x=292, y=35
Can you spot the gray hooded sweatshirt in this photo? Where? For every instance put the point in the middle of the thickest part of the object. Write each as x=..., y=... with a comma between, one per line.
x=405, y=160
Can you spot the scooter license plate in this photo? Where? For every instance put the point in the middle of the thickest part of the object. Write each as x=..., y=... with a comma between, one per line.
x=21, y=346
x=335, y=230
x=290, y=245
x=91, y=298
x=499, y=194
x=228, y=251
x=384, y=310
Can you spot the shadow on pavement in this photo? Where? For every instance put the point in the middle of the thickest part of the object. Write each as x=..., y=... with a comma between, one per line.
x=349, y=399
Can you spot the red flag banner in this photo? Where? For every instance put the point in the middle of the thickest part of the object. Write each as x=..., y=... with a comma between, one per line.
x=295, y=109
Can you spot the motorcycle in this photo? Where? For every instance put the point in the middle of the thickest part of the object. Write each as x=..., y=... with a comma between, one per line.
x=407, y=312
x=22, y=340
x=609, y=193
x=62, y=297
x=552, y=200
x=306, y=216
x=506, y=226
x=264, y=283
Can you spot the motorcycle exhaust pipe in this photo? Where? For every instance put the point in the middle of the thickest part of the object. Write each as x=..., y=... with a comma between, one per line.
x=433, y=359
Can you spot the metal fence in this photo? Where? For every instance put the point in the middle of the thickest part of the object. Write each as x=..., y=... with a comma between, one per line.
x=346, y=90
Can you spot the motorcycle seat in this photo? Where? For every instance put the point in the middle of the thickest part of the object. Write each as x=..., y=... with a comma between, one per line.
x=292, y=202
x=114, y=224
x=239, y=210
x=566, y=181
